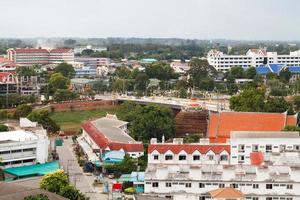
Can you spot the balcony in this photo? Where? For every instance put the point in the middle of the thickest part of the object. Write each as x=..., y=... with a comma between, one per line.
x=13, y=156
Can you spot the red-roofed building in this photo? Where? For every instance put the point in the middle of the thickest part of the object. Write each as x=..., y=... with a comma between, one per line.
x=193, y=154
x=39, y=56
x=110, y=134
x=8, y=82
x=221, y=124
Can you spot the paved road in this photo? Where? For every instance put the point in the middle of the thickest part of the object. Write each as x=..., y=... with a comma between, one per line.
x=77, y=178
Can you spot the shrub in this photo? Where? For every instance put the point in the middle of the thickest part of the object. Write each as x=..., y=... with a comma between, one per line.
x=130, y=190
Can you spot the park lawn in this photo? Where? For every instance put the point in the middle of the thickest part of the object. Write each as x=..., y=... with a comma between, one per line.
x=72, y=120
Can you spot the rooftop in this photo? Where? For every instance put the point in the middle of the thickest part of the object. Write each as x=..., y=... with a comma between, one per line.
x=16, y=136
x=221, y=124
x=33, y=170
x=226, y=193
x=264, y=134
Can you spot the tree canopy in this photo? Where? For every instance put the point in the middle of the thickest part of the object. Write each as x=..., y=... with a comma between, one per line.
x=43, y=118
x=65, y=69
x=150, y=121
x=58, y=81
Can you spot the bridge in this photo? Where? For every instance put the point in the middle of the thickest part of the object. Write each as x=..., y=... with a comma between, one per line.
x=175, y=103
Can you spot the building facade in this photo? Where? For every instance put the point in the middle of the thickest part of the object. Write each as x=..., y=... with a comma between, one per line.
x=39, y=56
x=253, y=58
x=20, y=147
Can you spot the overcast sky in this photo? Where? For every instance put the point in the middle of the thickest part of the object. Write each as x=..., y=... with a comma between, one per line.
x=194, y=19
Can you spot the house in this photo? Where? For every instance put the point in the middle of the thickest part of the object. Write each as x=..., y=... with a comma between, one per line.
x=8, y=82
x=222, y=123
x=108, y=134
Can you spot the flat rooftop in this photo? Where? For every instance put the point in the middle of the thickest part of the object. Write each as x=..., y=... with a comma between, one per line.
x=16, y=136
x=264, y=134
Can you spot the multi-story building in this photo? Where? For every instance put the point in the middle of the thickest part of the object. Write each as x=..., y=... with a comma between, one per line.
x=85, y=72
x=272, y=148
x=253, y=58
x=262, y=165
x=31, y=56
x=24, y=147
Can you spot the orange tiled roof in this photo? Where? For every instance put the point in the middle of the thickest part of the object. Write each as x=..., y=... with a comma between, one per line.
x=221, y=124
x=226, y=193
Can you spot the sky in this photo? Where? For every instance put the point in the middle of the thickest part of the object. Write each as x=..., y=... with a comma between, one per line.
x=193, y=19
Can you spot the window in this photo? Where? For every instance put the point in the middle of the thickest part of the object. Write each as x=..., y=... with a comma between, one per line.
x=254, y=198
x=289, y=187
x=268, y=148
x=269, y=198
x=210, y=157
x=255, y=186
x=168, y=157
x=255, y=148
x=234, y=185
x=155, y=157
x=241, y=159
x=241, y=148
x=224, y=158
x=155, y=184
x=188, y=185
x=182, y=157
x=16, y=151
x=269, y=186
x=201, y=185
x=289, y=198
x=221, y=185
x=196, y=157
x=168, y=184
x=297, y=147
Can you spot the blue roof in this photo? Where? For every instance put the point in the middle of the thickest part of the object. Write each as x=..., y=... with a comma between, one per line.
x=33, y=170
x=276, y=68
x=294, y=69
x=262, y=69
x=113, y=156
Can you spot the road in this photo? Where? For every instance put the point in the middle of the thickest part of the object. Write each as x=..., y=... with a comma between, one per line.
x=82, y=182
x=213, y=105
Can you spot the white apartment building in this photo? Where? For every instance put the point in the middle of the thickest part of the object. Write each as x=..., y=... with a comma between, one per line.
x=253, y=58
x=18, y=148
x=262, y=165
x=279, y=148
x=186, y=182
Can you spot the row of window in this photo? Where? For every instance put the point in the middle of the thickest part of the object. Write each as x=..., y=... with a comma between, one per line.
x=268, y=147
x=195, y=157
x=269, y=186
x=17, y=151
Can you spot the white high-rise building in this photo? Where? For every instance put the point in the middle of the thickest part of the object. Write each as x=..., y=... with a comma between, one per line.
x=253, y=58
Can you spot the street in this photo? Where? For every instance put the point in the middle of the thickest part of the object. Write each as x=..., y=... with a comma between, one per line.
x=82, y=182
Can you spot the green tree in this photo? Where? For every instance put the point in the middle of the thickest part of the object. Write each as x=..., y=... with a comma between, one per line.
x=26, y=71
x=65, y=69
x=70, y=192
x=152, y=121
x=43, y=118
x=100, y=87
x=285, y=75
x=279, y=105
x=123, y=72
x=250, y=100
x=192, y=138
x=127, y=165
x=23, y=110
x=54, y=181
x=251, y=73
x=3, y=128
x=64, y=95
x=141, y=82
x=200, y=69
x=296, y=101
x=160, y=71
x=37, y=197
x=58, y=81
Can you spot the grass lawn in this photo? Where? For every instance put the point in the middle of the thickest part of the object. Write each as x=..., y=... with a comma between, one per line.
x=72, y=120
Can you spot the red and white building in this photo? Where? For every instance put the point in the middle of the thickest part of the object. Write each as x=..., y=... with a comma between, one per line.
x=108, y=134
x=39, y=56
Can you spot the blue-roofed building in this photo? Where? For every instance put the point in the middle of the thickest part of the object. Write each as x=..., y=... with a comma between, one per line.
x=148, y=60
x=277, y=68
